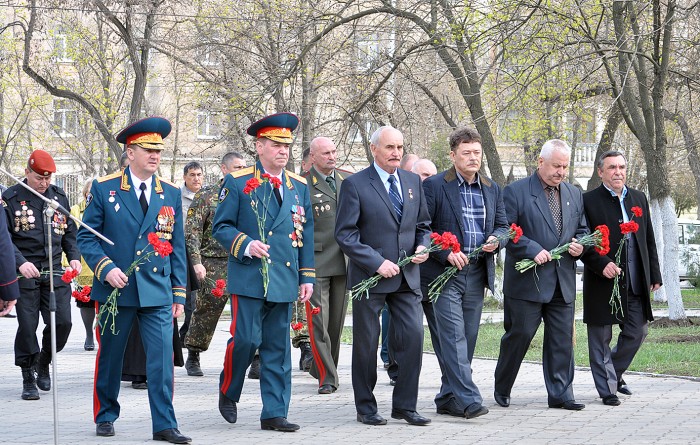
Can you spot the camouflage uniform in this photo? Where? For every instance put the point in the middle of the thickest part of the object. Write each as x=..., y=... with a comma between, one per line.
x=207, y=251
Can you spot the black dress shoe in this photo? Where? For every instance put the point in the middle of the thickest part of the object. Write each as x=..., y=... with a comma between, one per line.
x=327, y=389
x=611, y=400
x=622, y=388
x=501, y=399
x=392, y=382
x=139, y=385
x=412, y=417
x=278, y=424
x=571, y=405
x=89, y=345
x=475, y=410
x=171, y=435
x=105, y=429
x=450, y=408
x=227, y=408
x=371, y=419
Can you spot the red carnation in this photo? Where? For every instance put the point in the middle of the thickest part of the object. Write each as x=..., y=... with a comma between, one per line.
x=518, y=232
x=251, y=185
x=604, y=247
x=68, y=275
x=637, y=211
x=629, y=227
x=217, y=292
x=315, y=310
x=163, y=248
x=275, y=182
x=153, y=238
x=297, y=326
x=220, y=284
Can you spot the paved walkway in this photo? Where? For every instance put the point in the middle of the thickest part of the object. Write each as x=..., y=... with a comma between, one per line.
x=662, y=410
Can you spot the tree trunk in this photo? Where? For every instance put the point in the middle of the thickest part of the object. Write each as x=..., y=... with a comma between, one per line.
x=606, y=140
x=691, y=148
x=664, y=216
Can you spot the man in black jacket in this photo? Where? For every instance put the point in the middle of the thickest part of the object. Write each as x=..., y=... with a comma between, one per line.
x=25, y=218
x=611, y=204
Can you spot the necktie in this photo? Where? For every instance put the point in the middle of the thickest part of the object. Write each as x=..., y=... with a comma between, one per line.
x=331, y=183
x=276, y=191
x=394, y=197
x=554, y=207
x=142, y=198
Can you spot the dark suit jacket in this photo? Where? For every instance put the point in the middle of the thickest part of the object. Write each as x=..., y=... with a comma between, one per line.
x=603, y=208
x=527, y=206
x=369, y=232
x=330, y=260
x=445, y=208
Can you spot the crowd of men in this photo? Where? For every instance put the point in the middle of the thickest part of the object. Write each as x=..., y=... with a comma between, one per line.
x=297, y=243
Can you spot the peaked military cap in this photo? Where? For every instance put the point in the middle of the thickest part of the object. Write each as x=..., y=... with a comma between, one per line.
x=277, y=127
x=146, y=133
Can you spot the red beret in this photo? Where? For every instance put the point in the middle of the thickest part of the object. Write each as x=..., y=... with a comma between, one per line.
x=42, y=162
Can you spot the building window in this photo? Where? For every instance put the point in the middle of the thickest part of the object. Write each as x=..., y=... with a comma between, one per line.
x=60, y=46
x=65, y=118
x=367, y=53
x=356, y=132
x=208, y=125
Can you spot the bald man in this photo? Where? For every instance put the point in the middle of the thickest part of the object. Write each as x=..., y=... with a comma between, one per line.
x=424, y=168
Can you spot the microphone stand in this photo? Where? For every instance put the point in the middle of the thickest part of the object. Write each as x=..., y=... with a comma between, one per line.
x=51, y=206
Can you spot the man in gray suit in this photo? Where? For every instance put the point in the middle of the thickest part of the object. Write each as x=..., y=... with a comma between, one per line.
x=382, y=217
x=551, y=214
x=330, y=295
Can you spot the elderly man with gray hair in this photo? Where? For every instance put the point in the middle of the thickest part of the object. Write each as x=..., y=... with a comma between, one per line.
x=550, y=213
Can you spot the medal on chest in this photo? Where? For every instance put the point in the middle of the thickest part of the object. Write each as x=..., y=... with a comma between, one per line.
x=165, y=223
x=59, y=223
x=24, y=218
x=298, y=220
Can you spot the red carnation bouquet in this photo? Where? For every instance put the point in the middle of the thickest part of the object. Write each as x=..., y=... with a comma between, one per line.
x=256, y=198
x=599, y=239
x=627, y=229
x=109, y=308
x=219, y=288
x=446, y=241
x=81, y=293
x=514, y=233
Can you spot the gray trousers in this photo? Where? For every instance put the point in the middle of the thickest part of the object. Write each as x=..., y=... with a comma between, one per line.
x=458, y=313
x=608, y=365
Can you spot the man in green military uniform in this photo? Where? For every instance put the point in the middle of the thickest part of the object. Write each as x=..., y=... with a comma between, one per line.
x=329, y=295
x=210, y=261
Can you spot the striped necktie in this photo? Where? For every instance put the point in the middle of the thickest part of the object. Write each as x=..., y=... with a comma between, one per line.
x=394, y=197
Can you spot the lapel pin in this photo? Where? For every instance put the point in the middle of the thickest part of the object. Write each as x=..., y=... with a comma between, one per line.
x=116, y=207
x=410, y=193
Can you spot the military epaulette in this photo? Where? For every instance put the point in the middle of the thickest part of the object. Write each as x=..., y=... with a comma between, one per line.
x=161, y=179
x=295, y=176
x=243, y=172
x=108, y=177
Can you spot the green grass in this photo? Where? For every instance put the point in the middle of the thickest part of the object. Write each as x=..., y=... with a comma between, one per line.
x=670, y=350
